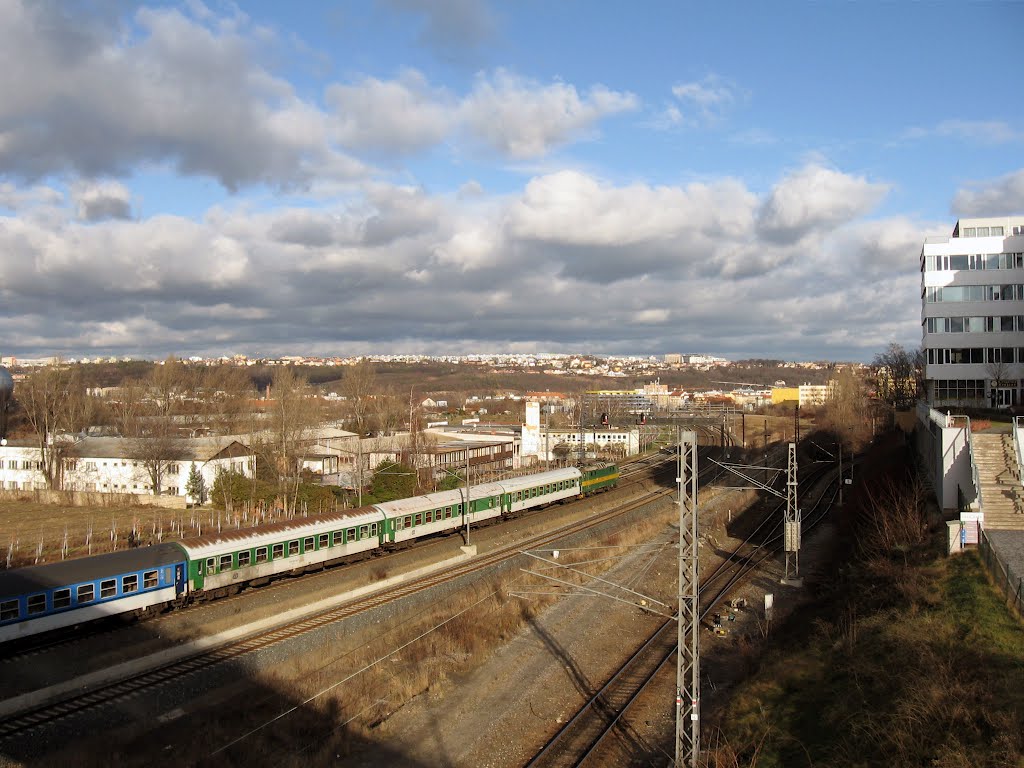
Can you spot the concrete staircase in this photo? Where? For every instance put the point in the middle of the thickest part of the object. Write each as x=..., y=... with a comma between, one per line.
x=1002, y=495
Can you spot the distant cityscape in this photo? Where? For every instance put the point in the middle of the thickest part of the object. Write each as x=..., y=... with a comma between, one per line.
x=549, y=363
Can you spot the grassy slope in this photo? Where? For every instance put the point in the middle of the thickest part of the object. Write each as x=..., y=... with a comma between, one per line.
x=911, y=660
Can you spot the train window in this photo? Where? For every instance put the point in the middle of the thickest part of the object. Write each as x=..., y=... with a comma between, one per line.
x=211, y=565
x=225, y=562
x=149, y=579
x=352, y=533
x=278, y=551
x=429, y=517
x=130, y=584
x=408, y=521
x=261, y=554
x=417, y=520
x=324, y=541
x=244, y=558
x=108, y=588
x=307, y=544
x=373, y=529
x=293, y=548
x=86, y=593
x=61, y=598
x=36, y=604
x=338, y=537
x=363, y=532
x=447, y=511
x=8, y=610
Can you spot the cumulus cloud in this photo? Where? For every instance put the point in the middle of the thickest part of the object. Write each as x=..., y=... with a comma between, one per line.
x=401, y=115
x=814, y=198
x=524, y=119
x=96, y=201
x=570, y=261
x=997, y=197
x=105, y=96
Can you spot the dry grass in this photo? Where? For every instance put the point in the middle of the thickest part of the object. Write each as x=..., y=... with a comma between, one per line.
x=911, y=661
x=444, y=641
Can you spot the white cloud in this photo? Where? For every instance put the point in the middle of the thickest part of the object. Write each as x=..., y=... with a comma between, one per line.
x=402, y=115
x=978, y=131
x=994, y=197
x=524, y=119
x=816, y=198
x=699, y=103
x=571, y=261
x=105, y=96
x=96, y=201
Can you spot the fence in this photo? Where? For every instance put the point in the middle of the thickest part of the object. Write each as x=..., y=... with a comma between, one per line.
x=1006, y=577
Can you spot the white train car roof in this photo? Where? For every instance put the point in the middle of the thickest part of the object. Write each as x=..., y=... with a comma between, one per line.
x=531, y=481
x=414, y=504
x=230, y=540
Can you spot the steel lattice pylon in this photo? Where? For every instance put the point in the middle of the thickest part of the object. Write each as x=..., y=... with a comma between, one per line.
x=688, y=667
x=792, y=520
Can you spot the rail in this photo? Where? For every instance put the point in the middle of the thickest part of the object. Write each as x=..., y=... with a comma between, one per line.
x=1017, y=447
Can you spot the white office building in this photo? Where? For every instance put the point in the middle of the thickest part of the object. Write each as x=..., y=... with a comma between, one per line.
x=972, y=314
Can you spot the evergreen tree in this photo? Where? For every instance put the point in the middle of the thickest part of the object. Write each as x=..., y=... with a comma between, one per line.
x=195, y=486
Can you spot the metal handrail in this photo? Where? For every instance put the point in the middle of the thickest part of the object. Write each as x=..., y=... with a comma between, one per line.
x=1017, y=446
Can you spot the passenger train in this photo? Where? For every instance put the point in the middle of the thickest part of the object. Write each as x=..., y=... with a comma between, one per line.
x=137, y=582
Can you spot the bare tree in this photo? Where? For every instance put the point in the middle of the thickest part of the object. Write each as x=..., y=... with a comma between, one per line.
x=158, y=454
x=847, y=411
x=389, y=412
x=47, y=400
x=900, y=373
x=293, y=415
x=359, y=385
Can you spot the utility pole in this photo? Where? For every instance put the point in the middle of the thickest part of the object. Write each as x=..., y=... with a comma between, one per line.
x=791, y=524
x=687, y=752
x=547, y=436
x=467, y=508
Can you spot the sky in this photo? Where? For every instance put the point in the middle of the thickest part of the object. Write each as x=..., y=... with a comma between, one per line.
x=742, y=179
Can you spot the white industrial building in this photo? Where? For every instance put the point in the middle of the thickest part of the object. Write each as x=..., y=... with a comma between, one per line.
x=972, y=313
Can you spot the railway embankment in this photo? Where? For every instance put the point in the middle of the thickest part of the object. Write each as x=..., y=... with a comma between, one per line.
x=904, y=657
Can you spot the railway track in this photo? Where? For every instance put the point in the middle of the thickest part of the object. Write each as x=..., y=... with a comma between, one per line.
x=104, y=694
x=581, y=740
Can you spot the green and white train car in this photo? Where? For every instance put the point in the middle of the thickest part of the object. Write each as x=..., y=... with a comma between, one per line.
x=225, y=561
x=418, y=516
x=231, y=558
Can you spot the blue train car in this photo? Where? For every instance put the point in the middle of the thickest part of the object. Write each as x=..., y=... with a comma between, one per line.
x=56, y=595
